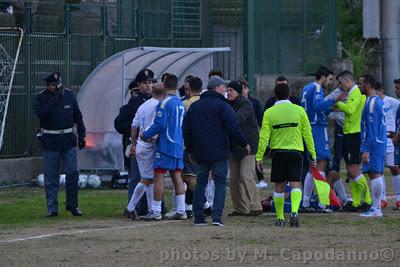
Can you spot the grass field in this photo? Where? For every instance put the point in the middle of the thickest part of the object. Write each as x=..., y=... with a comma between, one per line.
x=102, y=237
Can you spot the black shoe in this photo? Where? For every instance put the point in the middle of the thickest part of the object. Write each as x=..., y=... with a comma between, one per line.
x=349, y=207
x=364, y=207
x=74, y=211
x=189, y=214
x=208, y=212
x=200, y=222
x=52, y=214
x=218, y=223
x=280, y=222
x=294, y=220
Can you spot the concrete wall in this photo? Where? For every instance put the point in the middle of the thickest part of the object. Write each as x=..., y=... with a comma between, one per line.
x=19, y=170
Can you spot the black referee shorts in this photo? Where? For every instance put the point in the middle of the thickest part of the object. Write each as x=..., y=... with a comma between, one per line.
x=287, y=166
x=351, y=148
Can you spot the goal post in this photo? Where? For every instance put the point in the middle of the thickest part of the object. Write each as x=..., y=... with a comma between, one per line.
x=8, y=65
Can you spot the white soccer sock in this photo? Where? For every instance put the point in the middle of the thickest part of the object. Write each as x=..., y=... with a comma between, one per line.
x=384, y=188
x=338, y=186
x=149, y=196
x=377, y=191
x=307, y=190
x=136, y=196
x=156, y=207
x=188, y=207
x=396, y=186
x=180, y=203
x=173, y=199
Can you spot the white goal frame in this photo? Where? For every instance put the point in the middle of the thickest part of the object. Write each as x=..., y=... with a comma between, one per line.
x=3, y=119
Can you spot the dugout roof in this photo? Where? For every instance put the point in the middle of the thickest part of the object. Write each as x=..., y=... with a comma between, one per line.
x=105, y=90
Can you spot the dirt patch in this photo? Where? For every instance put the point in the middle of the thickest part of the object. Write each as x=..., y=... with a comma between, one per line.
x=322, y=240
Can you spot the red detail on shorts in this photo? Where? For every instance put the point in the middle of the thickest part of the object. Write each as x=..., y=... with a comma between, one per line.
x=159, y=170
x=164, y=171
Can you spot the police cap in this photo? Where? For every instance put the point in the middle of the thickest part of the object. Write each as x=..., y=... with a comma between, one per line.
x=52, y=78
x=144, y=75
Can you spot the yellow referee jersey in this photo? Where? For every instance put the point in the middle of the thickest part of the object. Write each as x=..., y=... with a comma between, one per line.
x=284, y=126
x=352, y=111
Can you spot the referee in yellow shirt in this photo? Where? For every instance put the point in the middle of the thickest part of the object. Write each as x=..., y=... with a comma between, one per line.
x=284, y=127
x=352, y=141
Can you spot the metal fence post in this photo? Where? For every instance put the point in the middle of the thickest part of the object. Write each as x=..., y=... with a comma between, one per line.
x=104, y=32
x=27, y=44
x=67, y=45
x=251, y=53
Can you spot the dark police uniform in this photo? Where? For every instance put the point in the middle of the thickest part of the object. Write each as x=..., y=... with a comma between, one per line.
x=60, y=124
x=122, y=124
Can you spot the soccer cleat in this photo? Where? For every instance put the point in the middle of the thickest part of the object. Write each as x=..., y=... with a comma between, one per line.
x=384, y=204
x=208, y=212
x=294, y=220
x=397, y=206
x=307, y=210
x=131, y=215
x=364, y=207
x=372, y=213
x=153, y=217
x=280, y=222
x=170, y=213
x=349, y=207
x=262, y=185
x=217, y=223
x=177, y=216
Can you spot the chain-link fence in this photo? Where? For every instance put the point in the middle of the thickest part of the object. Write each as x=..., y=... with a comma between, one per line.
x=74, y=36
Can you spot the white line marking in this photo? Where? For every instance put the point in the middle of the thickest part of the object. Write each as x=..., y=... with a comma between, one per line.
x=79, y=232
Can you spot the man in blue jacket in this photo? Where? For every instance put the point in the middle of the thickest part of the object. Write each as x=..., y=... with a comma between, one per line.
x=206, y=130
x=373, y=143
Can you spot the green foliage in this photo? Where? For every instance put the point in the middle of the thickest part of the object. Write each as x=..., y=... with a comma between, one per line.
x=349, y=19
x=363, y=53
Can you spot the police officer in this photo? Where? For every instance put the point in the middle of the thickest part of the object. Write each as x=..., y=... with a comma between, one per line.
x=123, y=122
x=60, y=125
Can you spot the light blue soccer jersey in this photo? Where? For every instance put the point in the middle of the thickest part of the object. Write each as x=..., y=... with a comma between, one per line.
x=373, y=127
x=315, y=105
x=168, y=125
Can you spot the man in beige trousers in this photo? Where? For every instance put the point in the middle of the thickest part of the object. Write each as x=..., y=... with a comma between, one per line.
x=245, y=197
